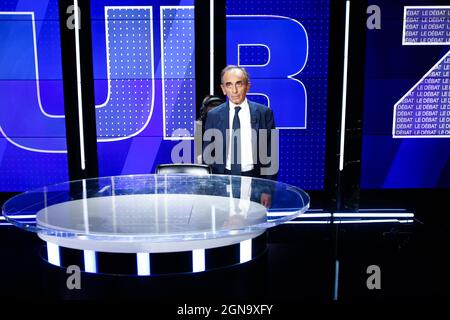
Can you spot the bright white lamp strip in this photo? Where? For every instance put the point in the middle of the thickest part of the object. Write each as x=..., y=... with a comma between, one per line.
x=308, y=222
x=25, y=216
x=80, y=101
x=345, y=215
x=143, y=263
x=211, y=47
x=305, y=215
x=90, y=261
x=198, y=260
x=349, y=221
x=373, y=221
x=374, y=215
x=344, y=86
x=53, y=254
x=383, y=209
x=245, y=251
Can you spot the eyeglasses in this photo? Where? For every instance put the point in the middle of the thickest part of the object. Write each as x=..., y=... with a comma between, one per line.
x=238, y=84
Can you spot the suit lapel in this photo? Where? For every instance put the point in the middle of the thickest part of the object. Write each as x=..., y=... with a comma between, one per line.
x=224, y=125
x=254, y=120
x=225, y=118
x=253, y=115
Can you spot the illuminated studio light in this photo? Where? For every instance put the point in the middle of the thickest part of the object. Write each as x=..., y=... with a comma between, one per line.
x=143, y=263
x=90, y=261
x=245, y=251
x=198, y=260
x=53, y=254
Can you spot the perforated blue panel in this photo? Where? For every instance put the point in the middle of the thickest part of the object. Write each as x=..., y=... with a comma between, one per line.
x=130, y=60
x=179, y=71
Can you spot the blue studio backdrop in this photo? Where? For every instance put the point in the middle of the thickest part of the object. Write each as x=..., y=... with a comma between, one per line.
x=144, y=83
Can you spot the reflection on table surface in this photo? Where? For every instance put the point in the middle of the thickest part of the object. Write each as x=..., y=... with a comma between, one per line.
x=157, y=205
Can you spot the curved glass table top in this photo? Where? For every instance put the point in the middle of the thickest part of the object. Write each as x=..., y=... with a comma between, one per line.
x=156, y=208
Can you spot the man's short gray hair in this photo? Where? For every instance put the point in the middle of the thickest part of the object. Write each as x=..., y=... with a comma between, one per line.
x=231, y=67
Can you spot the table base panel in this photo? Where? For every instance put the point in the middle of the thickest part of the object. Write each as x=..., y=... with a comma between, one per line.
x=152, y=264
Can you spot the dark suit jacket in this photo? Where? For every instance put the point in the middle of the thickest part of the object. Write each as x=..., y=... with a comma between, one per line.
x=261, y=117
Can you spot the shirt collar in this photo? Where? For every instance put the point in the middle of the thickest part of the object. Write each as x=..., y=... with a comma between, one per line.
x=244, y=104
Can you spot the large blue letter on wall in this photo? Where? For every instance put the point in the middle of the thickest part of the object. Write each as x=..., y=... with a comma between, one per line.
x=286, y=51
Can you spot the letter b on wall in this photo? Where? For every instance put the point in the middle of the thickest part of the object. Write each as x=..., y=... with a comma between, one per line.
x=273, y=49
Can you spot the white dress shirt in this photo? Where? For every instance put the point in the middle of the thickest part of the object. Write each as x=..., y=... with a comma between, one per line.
x=246, y=136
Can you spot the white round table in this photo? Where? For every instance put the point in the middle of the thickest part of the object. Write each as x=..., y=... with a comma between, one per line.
x=155, y=224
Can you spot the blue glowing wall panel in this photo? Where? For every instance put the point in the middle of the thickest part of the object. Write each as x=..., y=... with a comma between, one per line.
x=129, y=104
x=284, y=46
x=406, y=128
x=32, y=125
x=144, y=75
x=178, y=71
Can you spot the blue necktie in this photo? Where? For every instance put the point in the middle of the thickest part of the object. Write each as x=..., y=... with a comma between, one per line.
x=236, y=141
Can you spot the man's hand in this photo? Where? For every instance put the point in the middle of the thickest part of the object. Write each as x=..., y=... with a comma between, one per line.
x=266, y=200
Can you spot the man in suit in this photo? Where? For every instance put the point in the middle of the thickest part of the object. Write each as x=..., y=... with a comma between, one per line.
x=238, y=133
